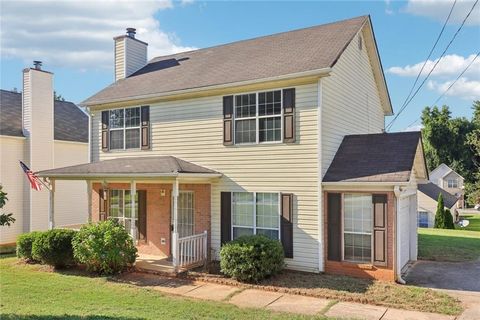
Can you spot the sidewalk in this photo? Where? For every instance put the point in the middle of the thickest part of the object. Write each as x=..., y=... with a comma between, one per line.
x=275, y=301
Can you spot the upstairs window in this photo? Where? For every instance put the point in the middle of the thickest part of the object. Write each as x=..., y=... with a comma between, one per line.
x=258, y=117
x=452, y=183
x=124, y=126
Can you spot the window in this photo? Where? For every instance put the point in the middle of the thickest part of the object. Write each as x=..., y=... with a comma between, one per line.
x=121, y=209
x=258, y=117
x=423, y=219
x=357, y=227
x=452, y=183
x=255, y=213
x=124, y=125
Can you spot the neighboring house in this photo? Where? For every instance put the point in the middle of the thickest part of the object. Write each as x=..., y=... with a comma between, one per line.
x=279, y=135
x=427, y=204
x=42, y=133
x=447, y=179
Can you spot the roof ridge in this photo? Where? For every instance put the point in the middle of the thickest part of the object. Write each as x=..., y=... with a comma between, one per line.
x=154, y=59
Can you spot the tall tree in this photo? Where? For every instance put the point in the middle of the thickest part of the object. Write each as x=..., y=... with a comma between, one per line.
x=6, y=219
x=440, y=214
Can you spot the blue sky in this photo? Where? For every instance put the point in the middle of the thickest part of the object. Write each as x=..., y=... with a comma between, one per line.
x=74, y=39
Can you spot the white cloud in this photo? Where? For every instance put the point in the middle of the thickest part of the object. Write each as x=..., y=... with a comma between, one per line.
x=439, y=9
x=450, y=65
x=463, y=88
x=447, y=70
x=79, y=34
x=417, y=127
x=186, y=2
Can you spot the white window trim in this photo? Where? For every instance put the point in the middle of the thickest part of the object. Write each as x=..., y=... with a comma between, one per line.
x=454, y=183
x=255, y=214
x=124, y=129
x=350, y=232
x=124, y=205
x=256, y=118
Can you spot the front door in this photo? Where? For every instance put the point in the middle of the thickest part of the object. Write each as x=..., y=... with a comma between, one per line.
x=185, y=213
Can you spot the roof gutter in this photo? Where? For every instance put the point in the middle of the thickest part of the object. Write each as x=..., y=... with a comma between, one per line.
x=317, y=72
x=69, y=176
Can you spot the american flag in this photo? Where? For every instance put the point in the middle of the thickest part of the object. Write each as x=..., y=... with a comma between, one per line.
x=35, y=182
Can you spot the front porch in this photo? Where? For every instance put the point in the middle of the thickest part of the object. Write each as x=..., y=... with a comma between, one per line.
x=166, y=211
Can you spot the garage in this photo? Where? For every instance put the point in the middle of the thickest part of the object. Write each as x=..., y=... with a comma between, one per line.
x=407, y=229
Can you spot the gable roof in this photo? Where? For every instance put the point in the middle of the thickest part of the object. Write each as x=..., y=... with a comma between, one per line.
x=442, y=171
x=270, y=57
x=381, y=157
x=131, y=167
x=70, y=123
x=433, y=191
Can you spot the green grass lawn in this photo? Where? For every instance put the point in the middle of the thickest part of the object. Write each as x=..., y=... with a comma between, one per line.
x=34, y=292
x=474, y=222
x=461, y=244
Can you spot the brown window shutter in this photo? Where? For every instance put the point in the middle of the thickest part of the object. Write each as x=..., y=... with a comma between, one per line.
x=228, y=120
x=102, y=205
x=379, y=229
x=145, y=116
x=286, y=230
x=105, y=118
x=289, y=115
x=142, y=214
x=225, y=217
x=334, y=226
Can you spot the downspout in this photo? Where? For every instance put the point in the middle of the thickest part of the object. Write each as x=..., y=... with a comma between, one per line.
x=398, y=273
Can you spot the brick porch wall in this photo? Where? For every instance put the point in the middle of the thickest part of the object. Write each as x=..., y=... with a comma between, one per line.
x=159, y=213
x=364, y=270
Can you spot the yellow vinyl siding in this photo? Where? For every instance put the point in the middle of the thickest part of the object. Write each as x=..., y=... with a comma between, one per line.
x=119, y=59
x=350, y=100
x=193, y=130
x=12, y=180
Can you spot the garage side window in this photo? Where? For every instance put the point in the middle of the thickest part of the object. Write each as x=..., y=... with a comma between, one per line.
x=423, y=219
x=357, y=227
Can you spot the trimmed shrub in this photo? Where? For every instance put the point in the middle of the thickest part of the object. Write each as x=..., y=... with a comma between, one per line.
x=449, y=220
x=24, y=245
x=54, y=247
x=440, y=213
x=251, y=258
x=105, y=247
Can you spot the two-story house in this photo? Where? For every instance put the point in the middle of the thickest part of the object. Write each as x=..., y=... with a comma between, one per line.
x=449, y=180
x=279, y=135
x=43, y=133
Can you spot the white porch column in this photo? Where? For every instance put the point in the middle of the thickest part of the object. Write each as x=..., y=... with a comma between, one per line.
x=51, y=205
x=89, y=195
x=133, y=192
x=175, y=224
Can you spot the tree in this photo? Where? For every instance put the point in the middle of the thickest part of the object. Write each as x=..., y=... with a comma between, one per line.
x=440, y=214
x=455, y=142
x=448, y=219
x=58, y=97
x=6, y=219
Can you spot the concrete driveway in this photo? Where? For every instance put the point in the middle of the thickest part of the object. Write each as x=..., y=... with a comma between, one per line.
x=462, y=276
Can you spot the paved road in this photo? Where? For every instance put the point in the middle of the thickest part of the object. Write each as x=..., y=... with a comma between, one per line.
x=463, y=276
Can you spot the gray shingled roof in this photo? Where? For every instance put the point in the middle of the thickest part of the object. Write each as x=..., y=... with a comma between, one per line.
x=259, y=58
x=433, y=191
x=134, y=166
x=382, y=157
x=70, y=123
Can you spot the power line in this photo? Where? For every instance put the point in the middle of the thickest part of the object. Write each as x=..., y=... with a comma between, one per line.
x=450, y=86
x=433, y=68
x=459, y=76
x=430, y=53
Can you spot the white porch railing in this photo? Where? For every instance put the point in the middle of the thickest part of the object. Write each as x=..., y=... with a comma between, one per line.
x=190, y=251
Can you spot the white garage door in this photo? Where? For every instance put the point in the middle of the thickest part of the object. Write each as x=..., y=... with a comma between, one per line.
x=404, y=228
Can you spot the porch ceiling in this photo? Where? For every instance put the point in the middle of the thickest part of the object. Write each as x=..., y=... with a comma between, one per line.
x=132, y=167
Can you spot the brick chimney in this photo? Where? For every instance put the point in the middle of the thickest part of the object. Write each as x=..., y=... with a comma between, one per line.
x=130, y=54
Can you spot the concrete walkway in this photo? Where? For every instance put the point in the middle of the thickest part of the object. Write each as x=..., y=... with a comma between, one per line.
x=282, y=302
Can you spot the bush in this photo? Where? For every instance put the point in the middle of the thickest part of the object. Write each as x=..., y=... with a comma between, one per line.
x=105, y=247
x=449, y=220
x=54, y=247
x=24, y=245
x=251, y=258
